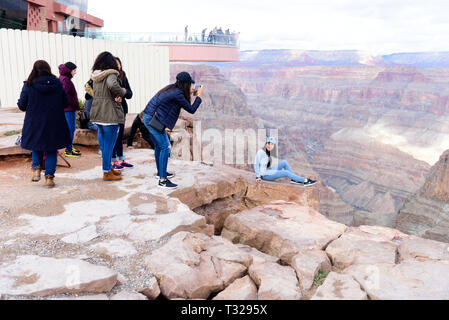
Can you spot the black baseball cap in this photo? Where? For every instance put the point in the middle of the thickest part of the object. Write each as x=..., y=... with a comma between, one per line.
x=184, y=77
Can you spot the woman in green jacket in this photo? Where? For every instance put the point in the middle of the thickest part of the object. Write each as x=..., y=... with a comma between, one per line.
x=107, y=112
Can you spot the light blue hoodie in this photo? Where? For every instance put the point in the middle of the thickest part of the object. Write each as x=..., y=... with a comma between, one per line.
x=261, y=164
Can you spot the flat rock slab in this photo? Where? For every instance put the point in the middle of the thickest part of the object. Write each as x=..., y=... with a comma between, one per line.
x=193, y=266
x=258, y=257
x=339, y=287
x=409, y=280
x=359, y=247
x=307, y=264
x=88, y=297
x=240, y=289
x=153, y=227
x=282, y=229
x=423, y=249
x=124, y=295
x=39, y=276
x=275, y=282
x=115, y=248
x=82, y=236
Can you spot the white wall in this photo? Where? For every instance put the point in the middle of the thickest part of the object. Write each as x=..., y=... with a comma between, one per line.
x=147, y=66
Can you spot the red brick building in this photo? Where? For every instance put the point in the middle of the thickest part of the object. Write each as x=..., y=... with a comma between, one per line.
x=60, y=16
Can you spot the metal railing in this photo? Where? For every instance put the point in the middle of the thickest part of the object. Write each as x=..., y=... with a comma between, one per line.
x=231, y=40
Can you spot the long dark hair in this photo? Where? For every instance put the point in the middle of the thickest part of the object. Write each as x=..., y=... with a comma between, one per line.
x=40, y=68
x=122, y=74
x=184, y=86
x=105, y=61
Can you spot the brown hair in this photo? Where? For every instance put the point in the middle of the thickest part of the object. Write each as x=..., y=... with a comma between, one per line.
x=122, y=74
x=105, y=61
x=184, y=86
x=40, y=68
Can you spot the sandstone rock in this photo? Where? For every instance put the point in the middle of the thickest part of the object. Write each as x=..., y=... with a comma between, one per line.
x=223, y=183
x=153, y=227
x=282, y=229
x=82, y=236
x=39, y=276
x=422, y=249
x=426, y=213
x=261, y=194
x=240, y=289
x=307, y=264
x=194, y=265
x=229, y=191
x=410, y=280
x=258, y=257
x=115, y=248
x=151, y=290
x=121, y=279
x=89, y=297
x=124, y=295
x=359, y=247
x=85, y=137
x=275, y=282
x=339, y=287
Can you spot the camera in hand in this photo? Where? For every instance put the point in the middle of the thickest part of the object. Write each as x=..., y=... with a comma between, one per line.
x=195, y=93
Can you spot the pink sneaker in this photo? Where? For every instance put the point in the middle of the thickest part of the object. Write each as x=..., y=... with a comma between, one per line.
x=126, y=164
x=117, y=166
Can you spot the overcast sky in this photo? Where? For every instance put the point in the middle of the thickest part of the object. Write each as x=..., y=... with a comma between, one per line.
x=377, y=26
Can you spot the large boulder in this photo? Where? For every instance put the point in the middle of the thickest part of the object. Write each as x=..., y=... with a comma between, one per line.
x=41, y=276
x=410, y=280
x=357, y=246
x=307, y=264
x=423, y=249
x=339, y=287
x=193, y=266
x=275, y=282
x=282, y=229
x=240, y=289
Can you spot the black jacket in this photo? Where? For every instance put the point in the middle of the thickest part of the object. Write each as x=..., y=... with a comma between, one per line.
x=128, y=95
x=45, y=127
x=138, y=125
x=167, y=106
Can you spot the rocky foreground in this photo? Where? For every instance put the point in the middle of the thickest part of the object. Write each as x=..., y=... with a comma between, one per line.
x=218, y=236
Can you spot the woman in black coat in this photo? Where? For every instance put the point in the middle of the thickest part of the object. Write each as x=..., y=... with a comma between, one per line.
x=118, y=158
x=45, y=128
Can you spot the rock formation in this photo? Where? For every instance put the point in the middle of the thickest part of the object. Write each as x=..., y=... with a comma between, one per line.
x=426, y=213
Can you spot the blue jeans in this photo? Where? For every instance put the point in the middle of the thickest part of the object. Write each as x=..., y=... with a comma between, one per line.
x=94, y=127
x=279, y=173
x=161, y=147
x=107, y=136
x=50, y=161
x=70, y=117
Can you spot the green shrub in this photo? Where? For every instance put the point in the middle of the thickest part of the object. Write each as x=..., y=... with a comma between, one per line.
x=11, y=133
x=320, y=277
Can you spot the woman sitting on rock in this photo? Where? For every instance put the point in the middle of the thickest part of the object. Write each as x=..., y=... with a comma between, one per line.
x=45, y=129
x=263, y=162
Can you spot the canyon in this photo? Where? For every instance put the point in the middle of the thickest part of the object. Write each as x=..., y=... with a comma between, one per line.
x=368, y=127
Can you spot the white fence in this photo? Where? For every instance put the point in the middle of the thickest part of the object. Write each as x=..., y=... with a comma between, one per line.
x=147, y=66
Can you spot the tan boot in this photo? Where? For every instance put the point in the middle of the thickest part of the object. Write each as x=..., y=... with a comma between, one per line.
x=110, y=176
x=36, y=174
x=116, y=172
x=49, y=181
